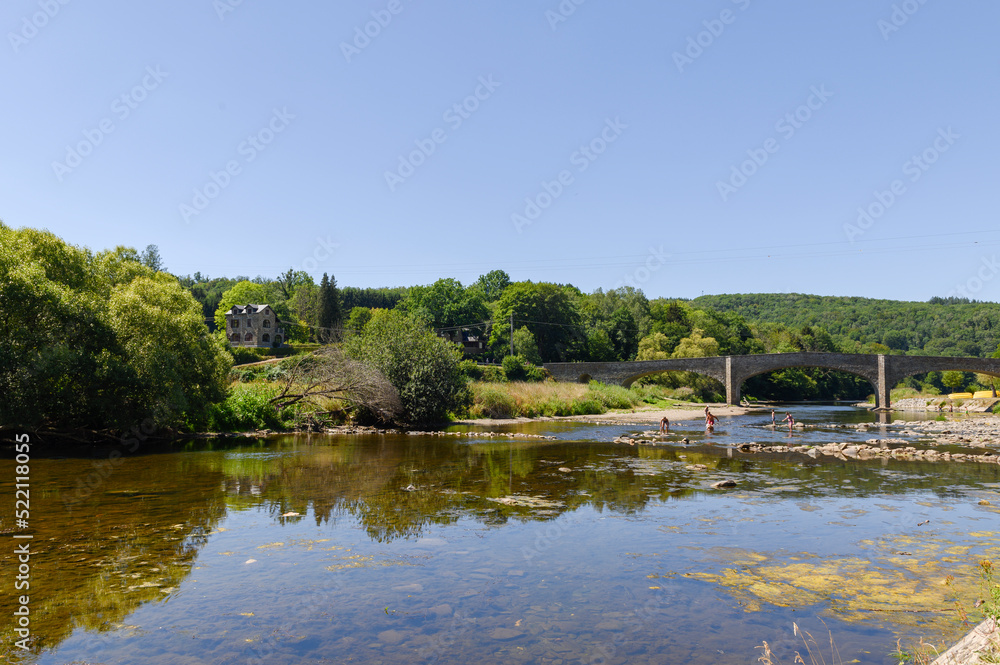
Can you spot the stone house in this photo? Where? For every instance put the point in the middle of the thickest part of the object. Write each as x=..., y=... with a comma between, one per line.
x=254, y=326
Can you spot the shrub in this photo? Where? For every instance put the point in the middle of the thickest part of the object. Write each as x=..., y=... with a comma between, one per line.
x=273, y=372
x=513, y=368
x=470, y=370
x=247, y=407
x=493, y=374
x=243, y=356
x=536, y=374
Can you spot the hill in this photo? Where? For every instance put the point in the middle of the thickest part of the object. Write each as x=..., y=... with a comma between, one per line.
x=940, y=327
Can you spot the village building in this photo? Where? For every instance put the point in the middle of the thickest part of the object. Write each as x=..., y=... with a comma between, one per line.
x=472, y=343
x=254, y=326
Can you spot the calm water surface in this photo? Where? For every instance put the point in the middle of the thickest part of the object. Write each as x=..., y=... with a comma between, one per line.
x=446, y=549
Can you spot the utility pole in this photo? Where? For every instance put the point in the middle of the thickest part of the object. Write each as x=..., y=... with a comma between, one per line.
x=512, y=333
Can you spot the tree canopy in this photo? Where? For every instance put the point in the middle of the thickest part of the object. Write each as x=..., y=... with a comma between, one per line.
x=420, y=365
x=98, y=341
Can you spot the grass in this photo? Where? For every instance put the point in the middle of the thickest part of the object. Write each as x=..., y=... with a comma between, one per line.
x=531, y=400
x=813, y=651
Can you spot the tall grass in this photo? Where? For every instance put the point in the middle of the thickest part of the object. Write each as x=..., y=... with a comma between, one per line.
x=530, y=400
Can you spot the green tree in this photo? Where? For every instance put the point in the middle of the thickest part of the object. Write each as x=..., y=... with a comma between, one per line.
x=697, y=346
x=330, y=314
x=547, y=311
x=525, y=346
x=358, y=318
x=423, y=367
x=445, y=304
x=654, y=347
x=289, y=282
x=953, y=380
x=624, y=334
x=600, y=348
x=305, y=306
x=492, y=284
x=244, y=293
x=98, y=341
x=150, y=258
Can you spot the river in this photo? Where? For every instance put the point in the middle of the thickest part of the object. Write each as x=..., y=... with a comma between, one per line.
x=495, y=549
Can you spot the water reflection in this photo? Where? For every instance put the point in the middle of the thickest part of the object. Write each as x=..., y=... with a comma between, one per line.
x=450, y=549
x=132, y=542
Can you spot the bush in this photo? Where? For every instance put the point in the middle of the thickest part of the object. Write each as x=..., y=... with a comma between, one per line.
x=536, y=374
x=244, y=356
x=273, y=372
x=493, y=374
x=513, y=368
x=470, y=370
x=247, y=407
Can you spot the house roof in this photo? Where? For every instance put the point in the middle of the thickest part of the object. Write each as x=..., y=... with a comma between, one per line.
x=247, y=309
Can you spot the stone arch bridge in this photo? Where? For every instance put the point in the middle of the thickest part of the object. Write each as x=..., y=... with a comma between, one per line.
x=882, y=371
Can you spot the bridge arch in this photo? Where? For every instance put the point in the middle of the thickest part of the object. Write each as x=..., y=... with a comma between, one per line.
x=737, y=385
x=863, y=366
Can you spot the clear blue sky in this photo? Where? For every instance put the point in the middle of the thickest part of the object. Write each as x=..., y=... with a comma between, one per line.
x=184, y=86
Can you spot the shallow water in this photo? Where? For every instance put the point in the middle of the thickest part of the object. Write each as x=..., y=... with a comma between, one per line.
x=457, y=549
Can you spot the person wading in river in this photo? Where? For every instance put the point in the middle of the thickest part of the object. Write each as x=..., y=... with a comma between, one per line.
x=791, y=421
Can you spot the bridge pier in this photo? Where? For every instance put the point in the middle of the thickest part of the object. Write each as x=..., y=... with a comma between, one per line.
x=732, y=384
x=882, y=388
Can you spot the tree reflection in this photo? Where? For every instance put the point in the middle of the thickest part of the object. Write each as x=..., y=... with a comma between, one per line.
x=132, y=541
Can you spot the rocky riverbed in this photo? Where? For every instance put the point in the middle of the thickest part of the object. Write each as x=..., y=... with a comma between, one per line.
x=930, y=441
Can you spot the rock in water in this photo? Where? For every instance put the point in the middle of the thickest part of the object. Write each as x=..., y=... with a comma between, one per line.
x=724, y=483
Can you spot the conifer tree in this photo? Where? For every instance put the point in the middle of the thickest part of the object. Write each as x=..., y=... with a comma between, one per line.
x=329, y=308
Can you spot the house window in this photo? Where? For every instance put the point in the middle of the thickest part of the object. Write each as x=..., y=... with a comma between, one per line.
x=265, y=337
x=236, y=337
x=248, y=338
x=267, y=324
x=236, y=323
x=277, y=339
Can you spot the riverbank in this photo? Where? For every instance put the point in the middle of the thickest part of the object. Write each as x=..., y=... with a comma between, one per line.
x=649, y=415
x=942, y=404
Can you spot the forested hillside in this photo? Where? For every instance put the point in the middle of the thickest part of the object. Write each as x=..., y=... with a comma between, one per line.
x=939, y=327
